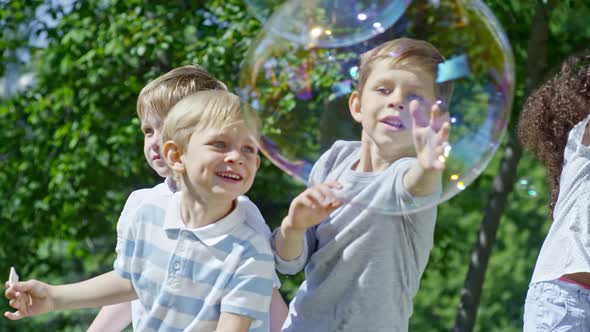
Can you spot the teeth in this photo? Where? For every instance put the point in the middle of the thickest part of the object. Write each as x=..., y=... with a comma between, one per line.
x=230, y=175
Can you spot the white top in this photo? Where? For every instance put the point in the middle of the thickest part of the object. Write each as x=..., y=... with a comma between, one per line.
x=186, y=277
x=162, y=193
x=566, y=248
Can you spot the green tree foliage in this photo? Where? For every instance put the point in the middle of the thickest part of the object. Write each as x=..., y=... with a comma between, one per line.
x=71, y=149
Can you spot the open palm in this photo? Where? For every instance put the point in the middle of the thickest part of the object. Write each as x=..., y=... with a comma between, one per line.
x=430, y=136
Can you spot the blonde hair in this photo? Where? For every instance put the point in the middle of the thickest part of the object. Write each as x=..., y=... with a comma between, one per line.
x=204, y=110
x=405, y=52
x=158, y=96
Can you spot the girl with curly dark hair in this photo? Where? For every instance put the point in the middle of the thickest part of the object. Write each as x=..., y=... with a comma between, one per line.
x=554, y=125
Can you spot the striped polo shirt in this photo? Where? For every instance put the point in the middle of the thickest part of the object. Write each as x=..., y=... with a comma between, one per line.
x=161, y=194
x=185, y=278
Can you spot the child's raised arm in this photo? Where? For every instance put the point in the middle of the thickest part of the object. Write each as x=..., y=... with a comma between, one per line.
x=430, y=140
x=308, y=209
x=108, y=288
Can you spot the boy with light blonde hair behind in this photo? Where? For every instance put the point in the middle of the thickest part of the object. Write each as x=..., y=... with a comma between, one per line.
x=193, y=261
x=154, y=102
x=362, y=267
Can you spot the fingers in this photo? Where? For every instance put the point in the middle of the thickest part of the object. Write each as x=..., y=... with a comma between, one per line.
x=442, y=153
x=443, y=133
x=434, y=117
x=25, y=286
x=333, y=184
x=419, y=118
x=322, y=196
x=438, y=119
x=14, y=315
x=10, y=293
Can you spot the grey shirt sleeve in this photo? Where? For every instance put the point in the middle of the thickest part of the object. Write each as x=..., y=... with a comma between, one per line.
x=317, y=175
x=291, y=266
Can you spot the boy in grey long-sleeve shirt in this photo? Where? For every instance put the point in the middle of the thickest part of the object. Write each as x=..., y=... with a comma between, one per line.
x=363, y=267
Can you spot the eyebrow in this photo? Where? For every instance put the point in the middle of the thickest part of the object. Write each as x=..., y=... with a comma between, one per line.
x=386, y=80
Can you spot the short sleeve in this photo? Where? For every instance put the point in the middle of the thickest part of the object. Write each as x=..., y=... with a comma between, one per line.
x=131, y=205
x=126, y=247
x=249, y=290
x=255, y=220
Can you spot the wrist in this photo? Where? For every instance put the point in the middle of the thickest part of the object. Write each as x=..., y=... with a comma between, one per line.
x=289, y=231
x=55, y=298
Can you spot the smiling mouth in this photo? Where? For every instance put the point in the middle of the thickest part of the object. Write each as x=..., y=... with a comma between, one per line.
x=230, y=176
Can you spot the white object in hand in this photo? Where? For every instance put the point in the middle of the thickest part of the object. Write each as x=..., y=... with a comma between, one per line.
x=13, y=278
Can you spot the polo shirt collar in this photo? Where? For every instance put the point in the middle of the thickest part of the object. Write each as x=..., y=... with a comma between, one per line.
x=210, y=234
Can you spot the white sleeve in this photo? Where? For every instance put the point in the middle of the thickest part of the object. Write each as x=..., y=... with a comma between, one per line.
x=255, y=220
x=125, y=219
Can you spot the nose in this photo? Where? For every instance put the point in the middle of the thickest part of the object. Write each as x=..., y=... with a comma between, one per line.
x=154, y=144
x=396, y=100
x=234, y=156
x=398, y=106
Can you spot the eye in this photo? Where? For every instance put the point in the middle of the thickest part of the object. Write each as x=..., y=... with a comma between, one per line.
x=218, y=144
x=147, y=131
x=249, y=149
x=414, y=96
x=383, y=90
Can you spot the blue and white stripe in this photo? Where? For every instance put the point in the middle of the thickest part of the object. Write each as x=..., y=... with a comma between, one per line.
x=185, y=278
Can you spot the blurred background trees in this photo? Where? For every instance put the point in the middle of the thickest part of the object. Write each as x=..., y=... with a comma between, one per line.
x=71, y=145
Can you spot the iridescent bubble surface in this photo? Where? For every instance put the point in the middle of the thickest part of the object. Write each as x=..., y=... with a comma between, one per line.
x=327, y=23
x=301, y=91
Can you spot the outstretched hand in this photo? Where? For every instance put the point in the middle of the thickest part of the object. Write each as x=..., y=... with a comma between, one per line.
x=430, y=136
x=29, y=298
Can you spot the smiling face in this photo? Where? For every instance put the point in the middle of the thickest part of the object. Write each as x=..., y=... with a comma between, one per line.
x=151, y=127
x=222, y=162
x=382, y=107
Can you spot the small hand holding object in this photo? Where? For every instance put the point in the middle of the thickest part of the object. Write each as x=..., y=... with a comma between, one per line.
x=430, y=137
x=28, y=298
x=313, y=205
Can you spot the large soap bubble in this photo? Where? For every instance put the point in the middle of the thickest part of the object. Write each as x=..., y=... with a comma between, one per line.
x=328, y=23
x=301, y=92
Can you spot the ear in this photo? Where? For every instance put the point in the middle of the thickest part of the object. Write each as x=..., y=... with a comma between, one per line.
x=354, y=105
x=172, y=153
x=257, y=161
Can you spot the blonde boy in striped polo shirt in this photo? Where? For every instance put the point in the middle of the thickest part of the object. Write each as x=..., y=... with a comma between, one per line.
x=193, y=262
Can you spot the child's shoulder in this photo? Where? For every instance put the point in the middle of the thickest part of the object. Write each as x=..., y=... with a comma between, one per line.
x=577, y=138
x=139, y=195
x=344, y=147
x=337, y=154
x=254, y=218
x=339, y=151
x=250, y=236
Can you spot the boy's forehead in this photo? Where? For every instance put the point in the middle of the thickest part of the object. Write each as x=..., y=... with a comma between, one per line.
x=386, y=69
x=151, y=120
x=235, y=129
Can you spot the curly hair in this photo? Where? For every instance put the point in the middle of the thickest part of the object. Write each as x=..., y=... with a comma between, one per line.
x=551, y=112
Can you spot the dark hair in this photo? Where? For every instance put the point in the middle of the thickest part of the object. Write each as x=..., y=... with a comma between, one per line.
x=551, y=112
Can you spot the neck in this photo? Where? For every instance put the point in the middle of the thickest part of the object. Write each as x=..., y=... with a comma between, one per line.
x=373, y=158
x=199, y=209
x=171, y=184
